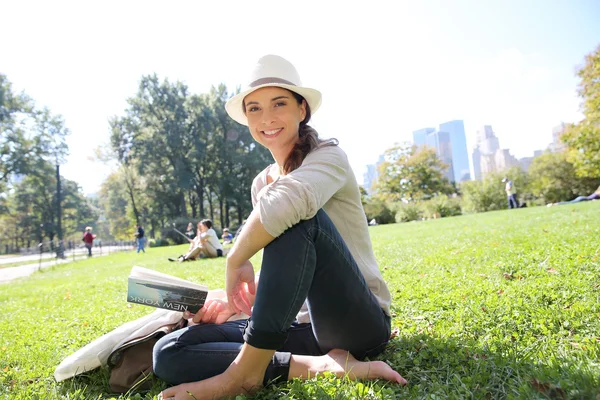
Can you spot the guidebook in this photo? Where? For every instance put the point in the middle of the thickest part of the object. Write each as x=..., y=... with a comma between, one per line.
x=156, y=289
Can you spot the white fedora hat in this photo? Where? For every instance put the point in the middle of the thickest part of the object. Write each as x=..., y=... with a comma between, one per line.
x=272, y=70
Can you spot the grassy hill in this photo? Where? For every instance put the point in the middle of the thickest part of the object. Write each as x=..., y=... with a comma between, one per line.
x=497, y=305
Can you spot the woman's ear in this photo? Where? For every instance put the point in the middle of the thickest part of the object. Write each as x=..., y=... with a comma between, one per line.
x=303, y=109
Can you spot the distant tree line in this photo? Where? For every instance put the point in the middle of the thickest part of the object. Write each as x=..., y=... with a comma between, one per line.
x=32, y=143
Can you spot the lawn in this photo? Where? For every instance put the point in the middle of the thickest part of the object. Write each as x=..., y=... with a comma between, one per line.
x=498, y=305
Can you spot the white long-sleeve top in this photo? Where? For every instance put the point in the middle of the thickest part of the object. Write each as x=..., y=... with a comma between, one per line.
x=324, y=180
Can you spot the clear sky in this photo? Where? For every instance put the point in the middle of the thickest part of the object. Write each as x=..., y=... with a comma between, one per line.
x=384, y=68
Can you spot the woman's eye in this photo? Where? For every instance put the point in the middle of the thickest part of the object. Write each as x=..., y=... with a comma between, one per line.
x=280, y=104
x=252, y=109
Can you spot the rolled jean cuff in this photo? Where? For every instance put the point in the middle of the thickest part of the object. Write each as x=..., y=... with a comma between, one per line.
x=263, y=340
x=279, y=369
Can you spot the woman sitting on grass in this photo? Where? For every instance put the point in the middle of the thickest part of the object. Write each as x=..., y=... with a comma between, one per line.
x=593, y=196
x=205, y=245
x=309, y=220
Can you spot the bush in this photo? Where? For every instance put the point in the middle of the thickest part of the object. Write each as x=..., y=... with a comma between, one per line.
x=158, y=242
x=481, y=196
x=407, y=212
x=181, y=224
x=441, y=206
x=377, y=209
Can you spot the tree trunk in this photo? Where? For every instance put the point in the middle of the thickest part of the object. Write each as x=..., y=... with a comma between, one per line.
x=200, y=194
x=226, y=213
x=182, y=204
x=221, y=209
x=239, y=211
x=136, y=213
x=210, y=205
x=193, y=204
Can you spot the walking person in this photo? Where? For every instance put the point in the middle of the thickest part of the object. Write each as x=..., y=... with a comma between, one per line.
x=88, y=239
x=510, y=193
x=320, y=302
x=141, y=239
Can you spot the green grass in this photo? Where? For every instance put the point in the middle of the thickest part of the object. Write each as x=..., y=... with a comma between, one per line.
x=498, y=305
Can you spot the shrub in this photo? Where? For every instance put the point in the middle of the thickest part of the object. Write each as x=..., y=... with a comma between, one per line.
x=180, y=224
x=409, y=212
x=481, y=196
x=158, y=242
x=377, y=209
x=441, y=206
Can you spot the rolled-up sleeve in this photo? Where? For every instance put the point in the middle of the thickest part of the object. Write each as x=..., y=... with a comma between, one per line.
x=300, y=194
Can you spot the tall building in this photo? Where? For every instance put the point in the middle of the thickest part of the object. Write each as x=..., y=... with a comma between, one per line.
x=460, y=155
x=557, y=144
x=486, y=140
x=504, y=160
x=420, y=136
x=370, y=177
x=476, y=164
x=450, y=143
x=484, y=153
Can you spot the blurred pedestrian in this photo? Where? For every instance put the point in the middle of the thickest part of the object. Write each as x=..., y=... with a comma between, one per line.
x=88, y=239
x=141, y=239
x=511, y=193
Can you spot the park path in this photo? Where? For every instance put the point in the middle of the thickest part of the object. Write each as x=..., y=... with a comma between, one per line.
x=12, y=273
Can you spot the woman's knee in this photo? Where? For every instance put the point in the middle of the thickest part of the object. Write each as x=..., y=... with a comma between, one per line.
x=164, y=358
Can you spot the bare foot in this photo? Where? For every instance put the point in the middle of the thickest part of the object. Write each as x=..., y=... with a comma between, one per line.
x=217, y=387
x=342, y=363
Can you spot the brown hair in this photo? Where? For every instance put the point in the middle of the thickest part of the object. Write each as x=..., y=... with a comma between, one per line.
x=207, y=223
x=308, y=140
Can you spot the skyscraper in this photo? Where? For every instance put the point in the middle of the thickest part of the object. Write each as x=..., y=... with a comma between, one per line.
x=420, y=136
x=458, y=144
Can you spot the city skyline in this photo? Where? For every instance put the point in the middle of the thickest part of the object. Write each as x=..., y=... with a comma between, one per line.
x=485, y=142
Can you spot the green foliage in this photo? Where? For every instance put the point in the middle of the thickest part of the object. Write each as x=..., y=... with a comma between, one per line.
x=489, y=194
x=482, y=196
x=554, y=179
x=406, y=212
x=496, y=305
x=441, y=206
x=412, y=174
x=181, y=225
x=159, y=242
x=583, y=138
x=377, y=209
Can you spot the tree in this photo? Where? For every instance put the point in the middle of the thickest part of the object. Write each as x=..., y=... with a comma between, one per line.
x=412, y=174
x=583, y=139
x=554, y=179
x=15, y=148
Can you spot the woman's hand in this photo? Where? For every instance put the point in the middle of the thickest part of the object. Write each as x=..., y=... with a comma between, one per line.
x=240, y=283
x=213, y=312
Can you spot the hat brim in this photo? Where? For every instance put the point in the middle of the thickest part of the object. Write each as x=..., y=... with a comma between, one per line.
x=235, y=105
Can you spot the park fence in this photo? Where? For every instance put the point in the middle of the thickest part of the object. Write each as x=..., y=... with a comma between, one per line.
x=65, y=248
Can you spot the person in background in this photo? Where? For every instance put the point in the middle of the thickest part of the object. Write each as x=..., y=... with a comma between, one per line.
x=88, y=239
x=510, y=193
x=189, y=232
x=227, y=237
x=206, y=244
x=579, y=199
x=141, y=239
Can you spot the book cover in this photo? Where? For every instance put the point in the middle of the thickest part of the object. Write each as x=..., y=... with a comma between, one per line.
x=155, y=289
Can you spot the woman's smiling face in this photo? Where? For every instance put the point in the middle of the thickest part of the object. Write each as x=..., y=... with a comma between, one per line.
x=274, y=116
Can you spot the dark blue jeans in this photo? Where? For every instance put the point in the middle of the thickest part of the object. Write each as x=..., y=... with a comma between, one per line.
x=512, y=201
x=309, y=261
